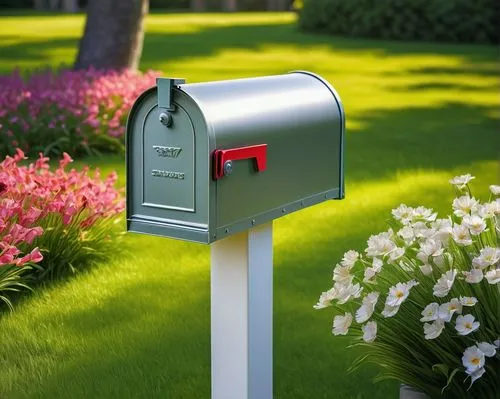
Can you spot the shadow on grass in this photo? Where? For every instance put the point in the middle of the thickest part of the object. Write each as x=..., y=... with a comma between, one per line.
x=209, y=40
x=391, y=141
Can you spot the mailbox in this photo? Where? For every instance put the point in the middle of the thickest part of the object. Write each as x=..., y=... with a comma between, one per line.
x=207, y=160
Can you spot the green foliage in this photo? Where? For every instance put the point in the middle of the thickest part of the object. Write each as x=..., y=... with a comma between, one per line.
x=69, y=248
x=463, y=21
x=12, y=279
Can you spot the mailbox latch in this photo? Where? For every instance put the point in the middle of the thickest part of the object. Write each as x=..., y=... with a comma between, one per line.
x=165, y=88
x=223, y=159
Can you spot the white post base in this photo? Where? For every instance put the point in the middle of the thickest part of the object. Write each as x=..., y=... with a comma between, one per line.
x=242, y=315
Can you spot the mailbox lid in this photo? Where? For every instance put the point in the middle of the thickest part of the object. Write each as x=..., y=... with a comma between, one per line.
x=301, y=119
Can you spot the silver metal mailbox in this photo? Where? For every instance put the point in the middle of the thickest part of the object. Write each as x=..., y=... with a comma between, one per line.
x=208, y=160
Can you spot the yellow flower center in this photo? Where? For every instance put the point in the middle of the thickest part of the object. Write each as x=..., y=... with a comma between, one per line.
x=468, y=325
x=475, y=361
x=399, y=294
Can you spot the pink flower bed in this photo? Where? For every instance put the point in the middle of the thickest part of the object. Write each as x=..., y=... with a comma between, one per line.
x=69, y=110
x=35, y=201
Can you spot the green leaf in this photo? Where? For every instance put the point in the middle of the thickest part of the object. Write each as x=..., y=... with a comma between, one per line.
x=450, y=378
x=441, y=368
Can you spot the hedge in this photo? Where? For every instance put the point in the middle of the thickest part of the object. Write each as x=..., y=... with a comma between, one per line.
x=464, y=21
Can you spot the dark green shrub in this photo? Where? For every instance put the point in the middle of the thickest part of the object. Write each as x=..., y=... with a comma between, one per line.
x=465, y=21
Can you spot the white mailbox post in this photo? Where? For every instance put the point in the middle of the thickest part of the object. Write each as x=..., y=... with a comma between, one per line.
x=242, y=315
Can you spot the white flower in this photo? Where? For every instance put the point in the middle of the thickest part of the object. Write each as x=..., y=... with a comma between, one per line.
x=396, y=253
x=496, y=343
x=465, y=205
x=444, y=284
x=443, y=229
x=473, y=359
x=380, y=244
x=350, y=258
x=346, y=292
x=474, y=276
x=488, y=256
x=489, y=350
x=489, y=210
x=468, y=300
x=493, y=276
x=342, y=275
x=365, y=311
x=398, y=293
x=403, y=213
x=371, y=272
x=429, y=248
x=369, y=331
x=434, y=329
x=495, y=190
x=466, y=324
x=461, y=181
x=430, y=313
x=423, y=214
x=326, y=298
x=341, y=324
x=421, y=230
x=475, y=224
x=426, y=269
x=475, y=375
x=412, y=283
x=448, y=309
x=407, y=234
x=390, y=311
x=460, y=235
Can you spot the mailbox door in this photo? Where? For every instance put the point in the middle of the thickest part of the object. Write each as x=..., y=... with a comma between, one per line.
x=166, y=168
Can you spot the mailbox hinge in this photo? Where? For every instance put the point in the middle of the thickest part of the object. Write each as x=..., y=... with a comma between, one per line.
x=165, y=89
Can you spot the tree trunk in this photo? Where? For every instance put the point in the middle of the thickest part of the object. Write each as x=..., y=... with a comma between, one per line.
x=70, y=6
x=277, y=5
x=230, y=5
x=39, y=5
x=198, y=5
x=113, y=35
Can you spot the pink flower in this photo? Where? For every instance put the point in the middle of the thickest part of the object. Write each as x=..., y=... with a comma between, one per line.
x=65, y=161
x=34, y=256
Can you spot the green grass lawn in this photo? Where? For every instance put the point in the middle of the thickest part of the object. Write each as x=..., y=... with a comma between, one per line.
x=138, y=326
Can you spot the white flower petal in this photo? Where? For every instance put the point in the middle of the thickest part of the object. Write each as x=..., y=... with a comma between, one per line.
x=475, y=375
x=489, y=350
x=473, y=359
x=495, y=190
x=466, y=324
x=461, y=235
x=474, y=276
x=430, y=313
x=444, y=283
x=461, y=181
x=369, y=331
x=493, y=276
x=475, y=224
x=426, y=270
x=341, y=324
x=468, y=300
x=434, y=329
x=350, y=258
